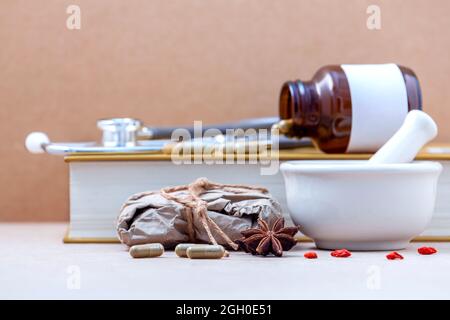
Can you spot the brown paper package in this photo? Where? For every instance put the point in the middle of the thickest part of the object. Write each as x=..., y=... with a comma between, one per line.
x=150, y=217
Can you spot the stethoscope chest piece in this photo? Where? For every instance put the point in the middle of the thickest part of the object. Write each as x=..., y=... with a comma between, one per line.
x=119, y=132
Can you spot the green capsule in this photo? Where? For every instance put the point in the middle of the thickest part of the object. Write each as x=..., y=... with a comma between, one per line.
x=205, y=252
x=180, y=249
x=149, y=250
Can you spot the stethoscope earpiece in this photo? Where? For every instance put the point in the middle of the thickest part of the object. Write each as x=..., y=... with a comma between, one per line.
x=36, y=142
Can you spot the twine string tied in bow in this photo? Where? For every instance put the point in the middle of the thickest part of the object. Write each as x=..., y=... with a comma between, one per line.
x=197, y=208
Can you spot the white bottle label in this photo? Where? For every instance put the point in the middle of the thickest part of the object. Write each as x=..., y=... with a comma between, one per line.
x=379, y=104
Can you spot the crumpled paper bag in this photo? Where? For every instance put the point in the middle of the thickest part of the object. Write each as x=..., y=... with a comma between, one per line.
x=150, y=217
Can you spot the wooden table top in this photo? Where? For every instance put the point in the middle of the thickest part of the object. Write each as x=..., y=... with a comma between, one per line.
x=34, y=263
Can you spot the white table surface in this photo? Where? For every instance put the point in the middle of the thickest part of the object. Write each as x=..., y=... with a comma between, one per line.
x=34, y=263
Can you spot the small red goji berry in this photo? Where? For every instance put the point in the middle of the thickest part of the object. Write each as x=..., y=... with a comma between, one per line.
x=394, y=255
x=342, y=253
x=427, y=250
x=310, y=255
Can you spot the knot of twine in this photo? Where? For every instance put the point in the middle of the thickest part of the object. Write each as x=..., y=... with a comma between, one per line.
x=197, y=209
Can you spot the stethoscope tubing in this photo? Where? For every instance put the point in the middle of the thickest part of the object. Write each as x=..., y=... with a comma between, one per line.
x=126, y=135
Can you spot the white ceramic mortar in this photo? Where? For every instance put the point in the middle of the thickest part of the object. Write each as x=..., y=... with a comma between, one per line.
x=353, y=205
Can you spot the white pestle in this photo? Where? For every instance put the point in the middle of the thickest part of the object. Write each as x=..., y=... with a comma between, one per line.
x=417, y=130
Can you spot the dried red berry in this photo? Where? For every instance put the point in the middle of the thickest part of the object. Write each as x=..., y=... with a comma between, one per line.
x=394, y=255
x=342, y=253
x=427, y=250
x=310, y=255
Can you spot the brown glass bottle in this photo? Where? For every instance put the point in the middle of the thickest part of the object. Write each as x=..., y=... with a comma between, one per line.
x=369, y=98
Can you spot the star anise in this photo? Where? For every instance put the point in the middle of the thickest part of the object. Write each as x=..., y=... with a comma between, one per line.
x=265, y=240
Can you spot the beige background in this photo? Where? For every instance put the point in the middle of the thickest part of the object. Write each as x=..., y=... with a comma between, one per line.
x=175, y=61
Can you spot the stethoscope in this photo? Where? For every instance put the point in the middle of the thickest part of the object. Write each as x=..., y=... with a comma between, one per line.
x=127, y=135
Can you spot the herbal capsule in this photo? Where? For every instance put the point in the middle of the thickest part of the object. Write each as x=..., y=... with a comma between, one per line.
x=147, y=250
x=181, y=249
x=205, y=252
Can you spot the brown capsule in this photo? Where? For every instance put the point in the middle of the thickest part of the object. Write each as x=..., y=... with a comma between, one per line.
x=180, y=249
x=205, y=252
x=149, y=250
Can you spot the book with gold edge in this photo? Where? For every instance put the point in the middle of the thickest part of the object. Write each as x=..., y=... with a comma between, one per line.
x=100, y=184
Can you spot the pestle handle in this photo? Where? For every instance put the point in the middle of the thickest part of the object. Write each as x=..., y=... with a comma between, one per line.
x=417, y=130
